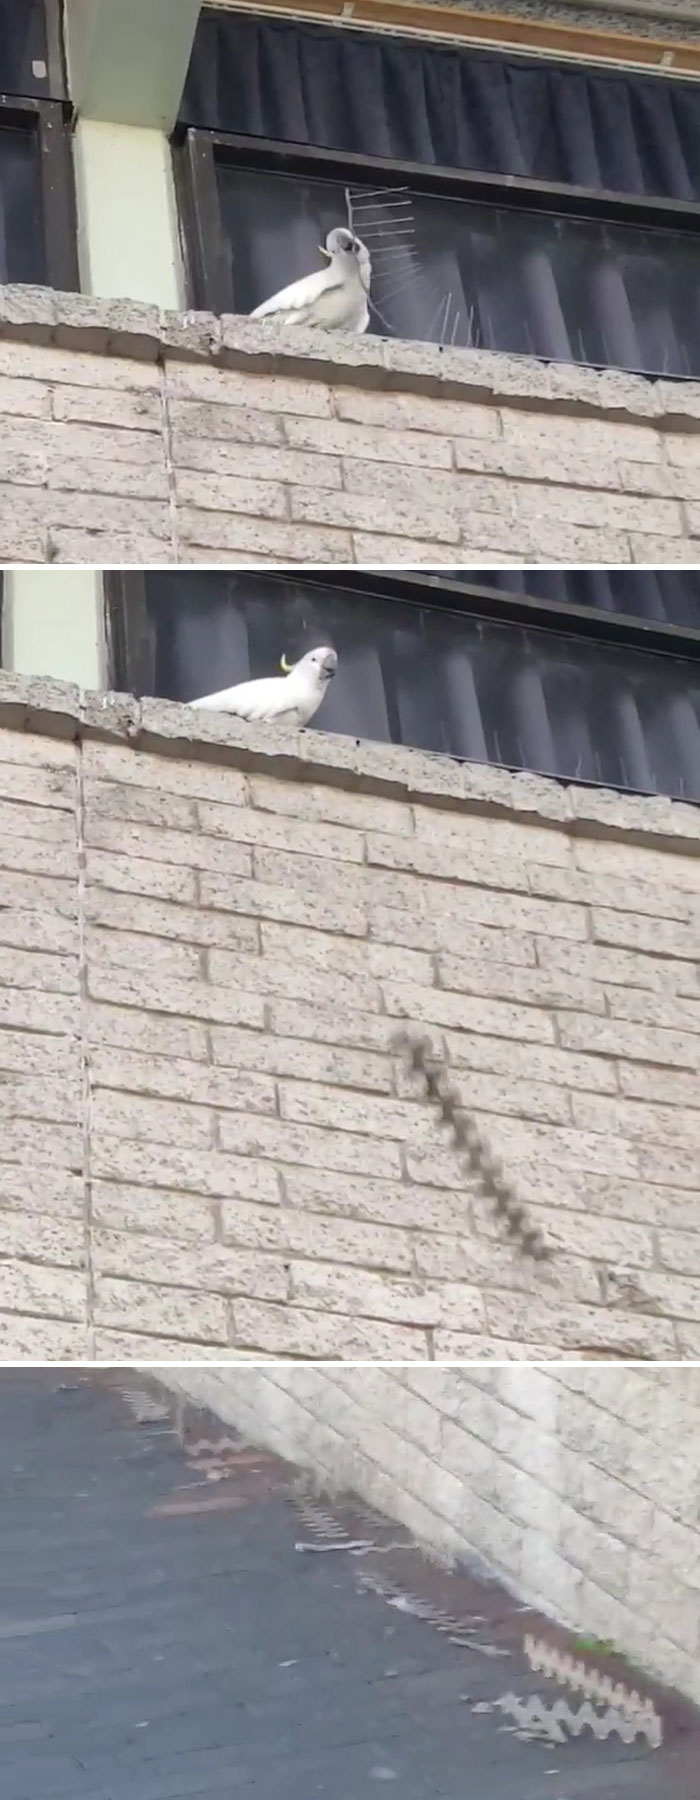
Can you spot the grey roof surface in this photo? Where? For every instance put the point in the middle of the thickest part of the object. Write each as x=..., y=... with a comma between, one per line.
x=163, y=1635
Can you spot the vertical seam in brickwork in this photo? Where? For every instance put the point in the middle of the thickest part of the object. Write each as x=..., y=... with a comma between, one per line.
x=168, y=456
x=86, y=1083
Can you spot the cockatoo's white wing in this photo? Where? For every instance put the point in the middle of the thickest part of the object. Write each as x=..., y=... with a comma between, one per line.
x=269, y=698
x=300, y=301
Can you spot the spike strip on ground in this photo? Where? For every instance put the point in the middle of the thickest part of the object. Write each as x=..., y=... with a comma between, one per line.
x=535, y=1718
x=571, y=1672
x=145, y=1407
x=627, y=1713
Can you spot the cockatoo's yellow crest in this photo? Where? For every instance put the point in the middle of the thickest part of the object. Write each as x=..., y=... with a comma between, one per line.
x=285, y=666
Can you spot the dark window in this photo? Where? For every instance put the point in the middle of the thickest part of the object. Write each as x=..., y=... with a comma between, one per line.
x=31, y=63
x=531, y=207
x=591, y=677
x=37, y=212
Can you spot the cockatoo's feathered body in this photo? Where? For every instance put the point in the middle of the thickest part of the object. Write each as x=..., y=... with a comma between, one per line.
x=336, y=297
x=290, y=699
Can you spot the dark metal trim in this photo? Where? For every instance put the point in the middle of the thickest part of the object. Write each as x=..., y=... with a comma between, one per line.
x=58, y=198
x=130, y=637
x=49, y=120
x=207, y=271
x=475, y=601
x=21, y=112
x=58, y=84
x=512, y=191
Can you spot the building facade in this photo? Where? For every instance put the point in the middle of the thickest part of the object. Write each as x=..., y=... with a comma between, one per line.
x=530, y=193
x=212, y=938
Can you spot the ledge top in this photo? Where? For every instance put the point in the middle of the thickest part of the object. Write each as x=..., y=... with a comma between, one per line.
x=57, y=709
x=145, y=333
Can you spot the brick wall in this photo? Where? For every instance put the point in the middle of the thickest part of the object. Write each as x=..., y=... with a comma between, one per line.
x=206, y=945
x=134, y=435
x=578, y=1487
x=656, y=19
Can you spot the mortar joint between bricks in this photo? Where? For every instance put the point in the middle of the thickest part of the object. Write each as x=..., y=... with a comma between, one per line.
x=161, y=364
x=84, y=1015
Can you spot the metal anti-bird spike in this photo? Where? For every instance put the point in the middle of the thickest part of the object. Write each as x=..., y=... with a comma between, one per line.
x=420, y=1059
x=573, y=1673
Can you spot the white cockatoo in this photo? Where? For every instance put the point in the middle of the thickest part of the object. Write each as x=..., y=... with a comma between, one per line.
x=290, y=699
x=336, y=297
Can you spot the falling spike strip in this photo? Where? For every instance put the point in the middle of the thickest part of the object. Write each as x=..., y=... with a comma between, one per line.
x=420, y=1060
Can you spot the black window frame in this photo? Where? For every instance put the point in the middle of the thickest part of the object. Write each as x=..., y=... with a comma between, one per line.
x=131, y=642
x=50, y=122
x=128, y=638
x=208, y=272
x=56, y=62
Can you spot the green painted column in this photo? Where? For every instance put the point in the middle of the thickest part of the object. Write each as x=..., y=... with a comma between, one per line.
x=127, y=62
x=53, y=624
x=128, y=239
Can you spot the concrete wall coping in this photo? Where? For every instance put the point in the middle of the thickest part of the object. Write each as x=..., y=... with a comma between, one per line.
x=162, y=727
x=128, y=328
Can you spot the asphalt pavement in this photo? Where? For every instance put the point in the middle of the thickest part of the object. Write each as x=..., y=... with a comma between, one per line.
x=178, y=1617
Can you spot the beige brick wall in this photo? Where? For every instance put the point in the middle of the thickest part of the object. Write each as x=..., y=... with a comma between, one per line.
x=206, y=945
x=578, y=1487
x=134, y=435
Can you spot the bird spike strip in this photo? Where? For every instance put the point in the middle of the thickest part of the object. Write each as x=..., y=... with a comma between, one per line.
x=536, y=1719
x=570, y=1672
x=385, y=221
x=420, y=1059
x=627, y=1713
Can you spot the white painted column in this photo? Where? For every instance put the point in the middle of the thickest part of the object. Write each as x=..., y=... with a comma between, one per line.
x=53, y=624
x=127, y=63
